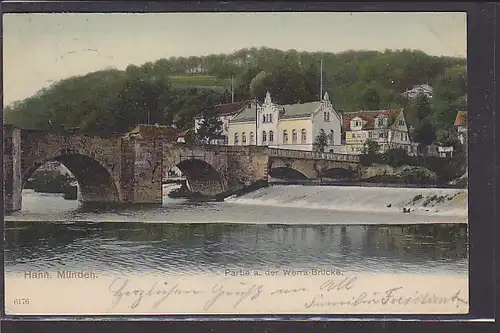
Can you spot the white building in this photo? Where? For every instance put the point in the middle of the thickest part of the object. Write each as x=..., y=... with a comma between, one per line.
x=461, y=125
x=421, y=89
x=386, y=127
x=226, y=112
x=287, y=126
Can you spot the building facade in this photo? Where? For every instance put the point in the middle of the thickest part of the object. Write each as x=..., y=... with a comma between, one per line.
x=461, y=126
x=225, y=112
x=419, y=90
x=292, y=127
x=386, y=127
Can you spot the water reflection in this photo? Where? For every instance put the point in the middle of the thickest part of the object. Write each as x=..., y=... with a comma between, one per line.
x=190, y=248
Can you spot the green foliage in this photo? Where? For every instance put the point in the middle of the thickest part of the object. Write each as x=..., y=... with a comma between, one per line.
x=320, y=142
x=418, y=176
x=425, y=133
x=370, y=99
x=174, y=90
x=396, y=157
x=211, y=127
x=370, y=153
x=370, y=147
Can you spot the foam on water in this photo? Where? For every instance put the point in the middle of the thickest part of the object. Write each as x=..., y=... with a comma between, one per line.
x=428, y=201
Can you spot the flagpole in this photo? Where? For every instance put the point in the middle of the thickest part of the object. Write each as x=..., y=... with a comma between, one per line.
x=256, y=122
x=321, y=79
x=232, y=88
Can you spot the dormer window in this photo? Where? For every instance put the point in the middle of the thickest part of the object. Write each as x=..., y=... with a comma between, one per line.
x=356, y=123
x=401, y=122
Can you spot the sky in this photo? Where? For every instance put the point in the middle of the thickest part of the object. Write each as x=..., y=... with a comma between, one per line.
x=40, y=49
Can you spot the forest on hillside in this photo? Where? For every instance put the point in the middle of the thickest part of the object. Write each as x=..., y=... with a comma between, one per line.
x=172, y=91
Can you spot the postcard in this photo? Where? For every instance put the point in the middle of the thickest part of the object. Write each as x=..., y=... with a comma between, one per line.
x=235, y=163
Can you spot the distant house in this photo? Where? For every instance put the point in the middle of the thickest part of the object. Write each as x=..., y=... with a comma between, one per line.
x=418, y=90
x=225, y=112
x=146, y=131
x=294, y=126
x=461, y=125
x=386, y=127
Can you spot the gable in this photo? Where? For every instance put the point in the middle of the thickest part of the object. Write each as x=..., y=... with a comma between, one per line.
x=369, y=117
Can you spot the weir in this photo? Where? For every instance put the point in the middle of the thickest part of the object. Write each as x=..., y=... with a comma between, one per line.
x=437, y=201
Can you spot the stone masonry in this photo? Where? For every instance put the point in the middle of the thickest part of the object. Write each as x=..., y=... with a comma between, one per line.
x=131, y=170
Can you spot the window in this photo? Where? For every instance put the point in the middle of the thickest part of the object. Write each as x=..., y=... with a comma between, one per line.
x=251, y=138
x=326, y=116
x=271, y=136
x=271, y=118
x=380, y=134
x=401, y=136
x=294, y=136
x=243, y=138
x=401, y=122
x=285, y=136
x=331, y=136
x=303, y=136
x=226, y=126
x=380, y=122
x=264, y=136
x=370, y=134
x=236, y=139
x=263, y=118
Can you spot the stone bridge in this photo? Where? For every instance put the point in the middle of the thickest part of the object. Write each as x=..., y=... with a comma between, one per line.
x=131, y=170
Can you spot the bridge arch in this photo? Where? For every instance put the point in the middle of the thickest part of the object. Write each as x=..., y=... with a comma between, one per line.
x=294, y=169
x=339, y=173
x=95, y=179
x=201, y=176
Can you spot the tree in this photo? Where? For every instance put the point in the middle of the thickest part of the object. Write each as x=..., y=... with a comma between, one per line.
x=370, y=153
x=320, y=142
x=425, y=134
x=211, y=127
x=423, y=108
x=370, y=99
x=370, y=147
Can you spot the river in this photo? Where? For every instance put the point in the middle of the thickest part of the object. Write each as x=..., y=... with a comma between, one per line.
x=300, y=227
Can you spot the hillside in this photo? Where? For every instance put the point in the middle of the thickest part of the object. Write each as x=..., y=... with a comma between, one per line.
x=174, y=90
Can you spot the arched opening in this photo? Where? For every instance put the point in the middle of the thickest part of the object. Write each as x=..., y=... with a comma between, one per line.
x=71, y=177
x=172, y=183
x=294, y=136
x=339, y=174
x=194, y=177
x=284, y=173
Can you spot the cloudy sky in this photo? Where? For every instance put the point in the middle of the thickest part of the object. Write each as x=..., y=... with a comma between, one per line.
x=39, y=49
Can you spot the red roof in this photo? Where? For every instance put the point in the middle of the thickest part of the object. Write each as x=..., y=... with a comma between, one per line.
x=369, y=117
x=461, y=119
x=152, y=131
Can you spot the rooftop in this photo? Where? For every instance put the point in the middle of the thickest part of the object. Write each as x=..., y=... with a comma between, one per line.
x=461, y=119
x=290, y=111
x=150, y=131
x=228, y=109
x=369, y=116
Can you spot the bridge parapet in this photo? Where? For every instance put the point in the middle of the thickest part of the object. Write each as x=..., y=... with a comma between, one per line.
x=308, y=155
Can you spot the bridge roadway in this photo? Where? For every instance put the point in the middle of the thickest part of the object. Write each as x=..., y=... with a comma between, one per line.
x=130, y=170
